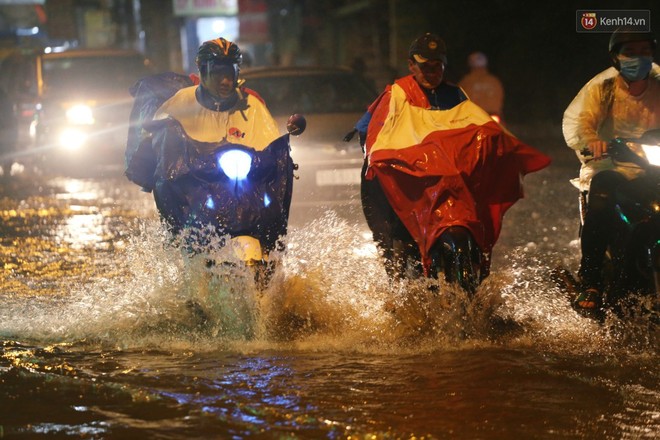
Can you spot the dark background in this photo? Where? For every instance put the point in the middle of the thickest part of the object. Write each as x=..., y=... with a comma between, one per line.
x=532, y=46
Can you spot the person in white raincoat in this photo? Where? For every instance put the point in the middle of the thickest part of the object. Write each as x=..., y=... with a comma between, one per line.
x=622, y=101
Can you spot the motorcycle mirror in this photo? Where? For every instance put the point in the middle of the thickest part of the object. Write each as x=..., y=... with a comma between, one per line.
x=296, y=124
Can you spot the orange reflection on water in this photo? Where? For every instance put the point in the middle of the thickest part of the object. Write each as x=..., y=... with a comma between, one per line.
x=83, y=230
x=55, y=234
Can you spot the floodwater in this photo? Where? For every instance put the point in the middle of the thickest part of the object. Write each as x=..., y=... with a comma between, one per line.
x=97, y=338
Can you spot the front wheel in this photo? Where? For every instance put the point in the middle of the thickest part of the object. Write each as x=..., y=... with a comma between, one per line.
x=457, y=255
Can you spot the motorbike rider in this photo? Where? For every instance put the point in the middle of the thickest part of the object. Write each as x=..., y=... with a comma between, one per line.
x=623, y=101
x=483, y=88
x=439, y=172
x=218, y=110
x=427, y=61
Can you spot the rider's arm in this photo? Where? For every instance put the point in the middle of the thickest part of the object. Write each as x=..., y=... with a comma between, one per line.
x=362, y=126
x=591, y=120
x=591, y=117
x=584, y=118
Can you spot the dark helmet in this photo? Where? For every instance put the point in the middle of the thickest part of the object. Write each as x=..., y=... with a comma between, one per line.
x=218, y=51
x=428, y=47
x=623, y=36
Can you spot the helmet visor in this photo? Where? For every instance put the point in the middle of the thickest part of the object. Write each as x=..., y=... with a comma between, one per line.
x=219, y=78
x=222, y=69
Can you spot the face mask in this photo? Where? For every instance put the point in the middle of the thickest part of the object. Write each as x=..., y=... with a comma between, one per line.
x=635, y=68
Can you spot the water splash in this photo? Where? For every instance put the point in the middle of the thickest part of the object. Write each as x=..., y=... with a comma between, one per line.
x=329, y=291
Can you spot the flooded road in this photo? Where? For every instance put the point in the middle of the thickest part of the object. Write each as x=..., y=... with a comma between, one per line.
x=97, y=339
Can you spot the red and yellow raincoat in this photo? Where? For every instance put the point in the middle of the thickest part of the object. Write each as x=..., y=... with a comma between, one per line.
x=441, y=168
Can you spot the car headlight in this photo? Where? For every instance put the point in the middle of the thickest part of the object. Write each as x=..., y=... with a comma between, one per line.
x=652, y=153
x=80, y=115
x=72, y=139
x=235, y=164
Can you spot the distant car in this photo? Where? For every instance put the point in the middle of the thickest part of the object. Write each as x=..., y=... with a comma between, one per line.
x=74, y=105
x=332, y=100
x=8, y=133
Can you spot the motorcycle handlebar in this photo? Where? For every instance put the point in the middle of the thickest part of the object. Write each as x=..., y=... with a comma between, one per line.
x=618, y=150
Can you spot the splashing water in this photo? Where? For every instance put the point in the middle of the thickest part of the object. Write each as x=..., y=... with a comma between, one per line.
x=329, y=290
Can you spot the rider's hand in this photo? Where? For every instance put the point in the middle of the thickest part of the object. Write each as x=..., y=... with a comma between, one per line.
x=598, y=149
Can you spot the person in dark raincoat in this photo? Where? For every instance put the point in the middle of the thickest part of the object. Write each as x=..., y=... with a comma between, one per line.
x=178, y=132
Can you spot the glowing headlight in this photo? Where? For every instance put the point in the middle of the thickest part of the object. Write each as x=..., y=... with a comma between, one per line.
x=80, y=115
x=235, y=164
x=652, y=153
x=72, y=139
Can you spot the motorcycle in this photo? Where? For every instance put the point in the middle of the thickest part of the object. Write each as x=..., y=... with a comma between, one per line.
x=214, y=194
x=225, y=190
x=435, y=190
x=632, y=268
x=455, y=253
x=226, y=195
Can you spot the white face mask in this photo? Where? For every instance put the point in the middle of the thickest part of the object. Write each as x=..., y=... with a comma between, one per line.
x=635, y=68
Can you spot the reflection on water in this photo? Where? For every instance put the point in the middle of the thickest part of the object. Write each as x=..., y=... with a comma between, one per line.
x=76, y=189
x=81, y=230
x=108, y=331
x=61, y=231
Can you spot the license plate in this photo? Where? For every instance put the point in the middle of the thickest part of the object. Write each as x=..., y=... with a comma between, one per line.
x=342, y=176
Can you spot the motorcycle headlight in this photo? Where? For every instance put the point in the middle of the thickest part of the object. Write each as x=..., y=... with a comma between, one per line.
x=80, y=115
x=652, y=153
x=235, y=164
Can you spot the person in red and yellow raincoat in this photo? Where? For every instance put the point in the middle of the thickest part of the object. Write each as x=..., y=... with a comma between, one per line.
x=434, y=159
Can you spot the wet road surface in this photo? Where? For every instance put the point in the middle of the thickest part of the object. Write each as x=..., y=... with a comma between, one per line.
x=97, y=339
